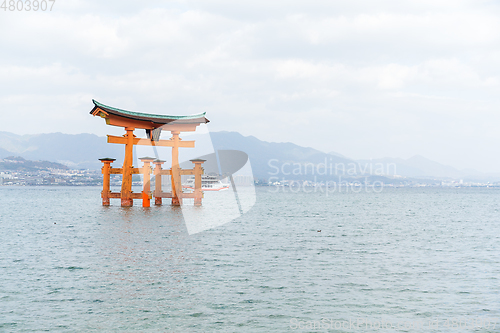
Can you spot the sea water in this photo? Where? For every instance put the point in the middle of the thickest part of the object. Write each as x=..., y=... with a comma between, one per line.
x=412, y=259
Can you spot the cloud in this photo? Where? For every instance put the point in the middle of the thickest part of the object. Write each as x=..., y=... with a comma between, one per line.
x=364, y=78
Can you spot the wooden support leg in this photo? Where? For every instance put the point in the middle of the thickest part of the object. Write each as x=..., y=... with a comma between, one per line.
x=176, y=187
x=198, y=172
x=145, y=199
x=126, y=192
x=146, y=184
x=157, y=172
x=176, y=174
x=106, y=180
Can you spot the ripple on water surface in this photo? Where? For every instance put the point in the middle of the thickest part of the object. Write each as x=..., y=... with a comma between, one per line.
x=69, y=264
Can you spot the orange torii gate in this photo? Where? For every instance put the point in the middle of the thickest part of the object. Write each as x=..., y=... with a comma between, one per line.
x=153, y=124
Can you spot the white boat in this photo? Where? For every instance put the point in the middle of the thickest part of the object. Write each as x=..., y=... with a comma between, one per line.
x=208, y=183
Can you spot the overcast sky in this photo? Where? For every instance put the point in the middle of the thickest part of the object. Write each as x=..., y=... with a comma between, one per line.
x=366, y=79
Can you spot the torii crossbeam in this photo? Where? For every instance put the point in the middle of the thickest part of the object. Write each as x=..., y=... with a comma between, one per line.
x=153, y=124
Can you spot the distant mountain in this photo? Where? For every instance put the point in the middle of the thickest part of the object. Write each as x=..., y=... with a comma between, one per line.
x=337, y=154
x=84, y=150
x=267, y=156
x=17, y=163
x=4, y=153
x=419, y=166
x=432, y=168
x=268, y=159
x=79, y=151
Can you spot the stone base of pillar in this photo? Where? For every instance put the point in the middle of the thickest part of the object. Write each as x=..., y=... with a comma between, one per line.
x=127, y=202
x=176, y=202
x=158, y=201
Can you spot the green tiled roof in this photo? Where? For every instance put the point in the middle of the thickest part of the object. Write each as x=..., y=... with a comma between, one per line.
x=147, y=115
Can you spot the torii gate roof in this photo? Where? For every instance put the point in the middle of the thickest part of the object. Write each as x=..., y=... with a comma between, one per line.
x=119, y=117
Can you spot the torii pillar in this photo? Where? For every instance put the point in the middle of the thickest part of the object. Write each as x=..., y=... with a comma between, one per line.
x=126, y=192
x=146, y=181
x=176, y=171
x=106, y=168
x=157, y=172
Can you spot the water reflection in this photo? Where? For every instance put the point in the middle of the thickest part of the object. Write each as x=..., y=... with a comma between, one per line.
x=143, y=254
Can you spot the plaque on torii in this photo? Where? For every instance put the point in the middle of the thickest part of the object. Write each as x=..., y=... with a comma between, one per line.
x=154, y=125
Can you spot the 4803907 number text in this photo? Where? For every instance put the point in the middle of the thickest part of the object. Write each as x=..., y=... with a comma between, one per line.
x=27, y=5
